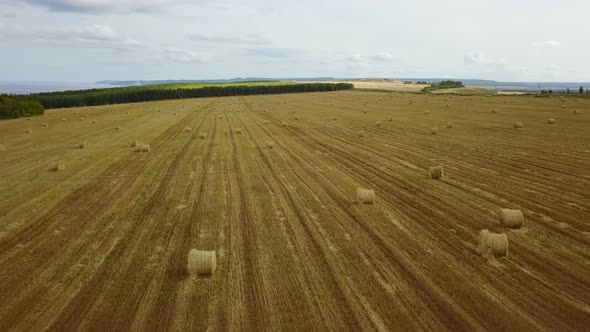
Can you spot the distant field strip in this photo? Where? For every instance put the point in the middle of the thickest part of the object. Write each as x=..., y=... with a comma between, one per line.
x=103, y=244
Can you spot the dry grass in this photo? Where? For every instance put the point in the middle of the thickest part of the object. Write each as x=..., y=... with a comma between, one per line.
x=201, y=262
x=58, y=166
x=365, y=196
x=491, y=245
x=143, y=148
x=510, y=218
x=437, y=172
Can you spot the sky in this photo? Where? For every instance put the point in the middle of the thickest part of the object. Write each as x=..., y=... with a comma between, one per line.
x=92, y=40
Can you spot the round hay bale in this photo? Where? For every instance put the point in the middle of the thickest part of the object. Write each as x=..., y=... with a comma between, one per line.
x=365, y=196
x=28, y=119
x=58, y=166
x=510, y=218
x=238, y=130
x=134, y=144
x=517, y=124
x=551, y=121
x=390, y=119
x=426, y=112
x=433, y=130
x=118, y=128
x=201, y=262
x=64, y=119
x=492, y=245
x=284, y=124
x=296, y=118
x=333, y=118
x=378, y=123
x=3, y=147
x=449, y=124
x=576, y=112
x=81, y=145
x=93, y=122
x=270, y=144
x=220, y=117
x=203, y=135
x=174, y=113
x=494, y=110
x=265, y=122
x=188, y=129
x=45, y=125
x=143, y=148
x=361, y=133
x=28, y=131
x=437, y=172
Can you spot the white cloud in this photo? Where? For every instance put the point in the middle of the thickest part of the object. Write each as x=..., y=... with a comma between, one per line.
x=479, y=58
x=96, y=32
x=267, y=52
x=248, y=39
x=547, y=43
x=355, y=58
x=184, y=56
x=96, y=35
x=102, y=6
x=384, y=56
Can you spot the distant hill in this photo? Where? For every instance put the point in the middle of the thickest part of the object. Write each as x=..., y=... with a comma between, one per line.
x=489, y=84
x=214, y=81
x=465, y=91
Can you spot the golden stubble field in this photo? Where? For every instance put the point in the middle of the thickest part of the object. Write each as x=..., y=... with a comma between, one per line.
x=103, y=244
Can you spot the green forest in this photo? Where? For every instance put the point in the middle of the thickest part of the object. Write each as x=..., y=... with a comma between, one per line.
x=12, y=107
x=134, y=94
x=443, y=85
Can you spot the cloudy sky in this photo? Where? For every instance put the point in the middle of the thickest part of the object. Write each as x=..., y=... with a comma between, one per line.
x=90, y=40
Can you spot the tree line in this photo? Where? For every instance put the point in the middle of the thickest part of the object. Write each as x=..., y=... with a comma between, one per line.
x=96, y=97
x=444, y=85
x=12, y=107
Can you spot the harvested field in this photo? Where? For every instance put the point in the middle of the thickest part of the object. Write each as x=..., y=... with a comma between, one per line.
x=103, y=244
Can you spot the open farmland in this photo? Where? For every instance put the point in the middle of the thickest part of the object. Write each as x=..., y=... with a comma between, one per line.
x=384, y=85
x=103, y=244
